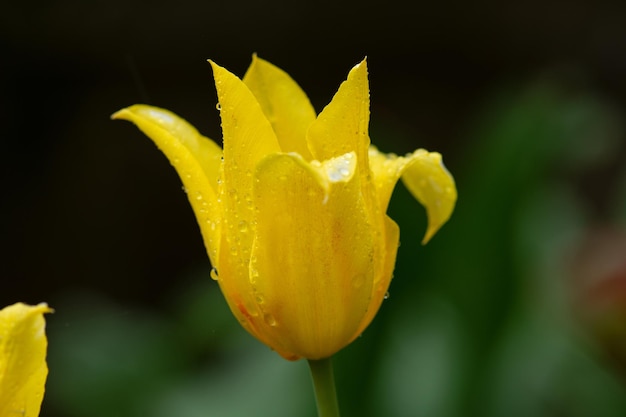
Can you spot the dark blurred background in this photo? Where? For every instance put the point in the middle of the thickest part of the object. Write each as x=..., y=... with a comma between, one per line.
x=516, y=308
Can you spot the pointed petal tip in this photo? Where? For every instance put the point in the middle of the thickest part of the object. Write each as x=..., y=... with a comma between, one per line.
x=127, y=112
x=362, y=65
x=215, y=65
x=38, y=308
x=118, y=115
x=44, y=308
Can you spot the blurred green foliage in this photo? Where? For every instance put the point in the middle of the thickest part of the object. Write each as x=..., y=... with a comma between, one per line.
x=483, y=321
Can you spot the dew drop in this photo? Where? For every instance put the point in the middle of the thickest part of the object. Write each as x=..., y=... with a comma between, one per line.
x=243, y=226
x=269, y=319
x=386, y=295
x=218, y=107
x=339, y=168
x=214, y=274
x=254, y=274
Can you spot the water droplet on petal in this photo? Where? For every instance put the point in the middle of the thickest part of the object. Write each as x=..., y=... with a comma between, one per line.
x=243, y=226
x=214, y=274
x=340, y=168
x=269, y=319
x=218, y=107
x=254, y=274
x=386, y=295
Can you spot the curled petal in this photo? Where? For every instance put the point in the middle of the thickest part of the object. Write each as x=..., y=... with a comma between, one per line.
x=23, y=368
x=312, y=261
x=284, y=104
x=196, y=158
x=425, y=177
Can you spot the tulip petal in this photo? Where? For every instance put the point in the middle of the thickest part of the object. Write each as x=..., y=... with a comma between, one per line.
x=23, y=368
x=248, y=137
x=424, y=175
x=312, y=264
x=343, y=124
x=284, y=104
x=384, y=276
x=196, y=158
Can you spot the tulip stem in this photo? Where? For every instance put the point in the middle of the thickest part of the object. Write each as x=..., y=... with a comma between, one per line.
x=324, y=383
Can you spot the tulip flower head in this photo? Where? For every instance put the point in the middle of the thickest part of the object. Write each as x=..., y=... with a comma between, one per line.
x=23, y=368
x=293, y=209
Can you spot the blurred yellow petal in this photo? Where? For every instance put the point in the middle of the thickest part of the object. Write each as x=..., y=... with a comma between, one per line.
x=343, y=124
x=312, y=264
x=284, y=104
x=385, y=274
x=196, y=158
x=23, y=368
x=425, y=177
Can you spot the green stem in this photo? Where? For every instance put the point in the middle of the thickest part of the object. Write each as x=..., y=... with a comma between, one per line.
x=324, y=382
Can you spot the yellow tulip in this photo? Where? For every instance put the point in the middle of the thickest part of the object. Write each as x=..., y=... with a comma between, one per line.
x=292, y=210
x=23, y=368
